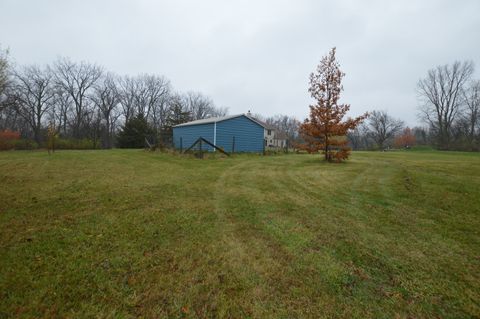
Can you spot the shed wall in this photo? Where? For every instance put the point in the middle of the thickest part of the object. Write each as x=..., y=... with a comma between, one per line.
x=249, y=135
x=190, y=133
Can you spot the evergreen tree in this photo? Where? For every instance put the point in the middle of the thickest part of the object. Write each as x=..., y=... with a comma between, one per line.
x=134, y=132
x=177, y=115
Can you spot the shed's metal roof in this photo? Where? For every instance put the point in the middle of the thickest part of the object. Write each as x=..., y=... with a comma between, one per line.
x=222, y=118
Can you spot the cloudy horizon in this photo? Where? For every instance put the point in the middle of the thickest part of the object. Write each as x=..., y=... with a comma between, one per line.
x=254, y=55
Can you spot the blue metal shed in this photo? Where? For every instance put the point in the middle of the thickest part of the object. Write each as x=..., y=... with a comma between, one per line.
x=239, y=133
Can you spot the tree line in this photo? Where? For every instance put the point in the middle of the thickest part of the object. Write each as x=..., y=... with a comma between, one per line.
x=381, y=131
x=82, y=101
x=85, y=102
x=449, y=107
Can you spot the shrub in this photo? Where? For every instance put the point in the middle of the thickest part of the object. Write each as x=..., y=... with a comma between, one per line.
x=11, y=140
x=74, y=144
x=8, y=139
x=406, y=139
x=25, y=144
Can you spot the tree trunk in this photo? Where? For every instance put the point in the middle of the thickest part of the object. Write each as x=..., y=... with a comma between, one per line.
x=326, y=148
x=37, y=132
x=109, y=144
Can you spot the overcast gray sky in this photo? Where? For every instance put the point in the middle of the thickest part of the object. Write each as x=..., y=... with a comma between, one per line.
x=254, y=55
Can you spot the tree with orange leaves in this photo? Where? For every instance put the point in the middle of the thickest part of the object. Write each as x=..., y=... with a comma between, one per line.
x=325, y=130
x=406, y=139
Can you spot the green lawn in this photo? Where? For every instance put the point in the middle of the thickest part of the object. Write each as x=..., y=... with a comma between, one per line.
x=129, y=233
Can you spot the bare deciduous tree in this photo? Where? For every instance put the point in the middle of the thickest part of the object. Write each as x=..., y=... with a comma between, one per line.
x=382, y=127
x=441, y=92
x=60, y=112
x=33, y=95
x=472, y=114
x=128, y=92
x=106, y=99
x=285, y=124
x=200, y=106
x=3, y=76
x=149, y=90
x=77, y=79
x=154, y=98
x=359, y=138
x=421, y=135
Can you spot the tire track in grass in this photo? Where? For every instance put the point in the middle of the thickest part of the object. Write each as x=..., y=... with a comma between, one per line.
x=318, y=221
x=254, y=254
x=315, y=259
x=250, y=258
x=398, y=248
x=319, y=270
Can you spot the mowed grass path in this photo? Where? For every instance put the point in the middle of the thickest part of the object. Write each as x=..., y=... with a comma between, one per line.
x=128, y=233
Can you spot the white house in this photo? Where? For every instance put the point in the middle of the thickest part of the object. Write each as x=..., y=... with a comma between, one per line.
x=272, y=138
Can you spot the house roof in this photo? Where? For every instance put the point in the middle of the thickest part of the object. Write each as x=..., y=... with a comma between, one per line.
x=265, y=125
x=223, y=118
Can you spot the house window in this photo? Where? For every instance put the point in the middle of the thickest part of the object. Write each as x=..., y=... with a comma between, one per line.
x=269, y=132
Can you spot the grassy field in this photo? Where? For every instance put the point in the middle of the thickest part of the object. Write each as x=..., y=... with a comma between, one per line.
x=128, y=233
